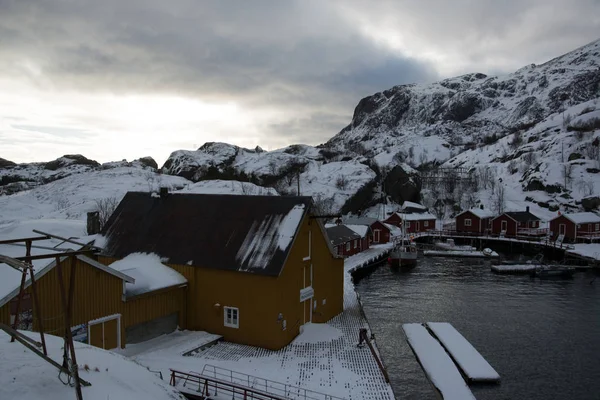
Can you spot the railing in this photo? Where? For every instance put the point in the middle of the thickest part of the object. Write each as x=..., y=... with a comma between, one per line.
x=542, y=240
x=591, y=236
x=532, y=231
x=207, y=386
x=264, y=385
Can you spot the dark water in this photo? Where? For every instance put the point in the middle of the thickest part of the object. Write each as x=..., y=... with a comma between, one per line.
x=542, y=336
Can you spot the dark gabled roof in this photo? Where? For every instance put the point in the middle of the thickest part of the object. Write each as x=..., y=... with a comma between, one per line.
x=522, y=216
x=228, y=232
x=340, y=234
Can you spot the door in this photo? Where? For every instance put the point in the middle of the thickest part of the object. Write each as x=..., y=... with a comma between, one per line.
x=376, y=235
x=562, y=228
x=504, y=226
x=105, y=333
x=418, y=227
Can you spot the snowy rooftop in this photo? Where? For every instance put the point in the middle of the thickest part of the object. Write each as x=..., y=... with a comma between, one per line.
x=583, y=217
x=362, y=230
x=394, y=230
x=478, y=212
x=418, y=216
x=149, y=274
x=410, y=204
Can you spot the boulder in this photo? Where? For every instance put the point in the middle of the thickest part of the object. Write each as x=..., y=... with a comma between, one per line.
x=590, y=203
x=402, y=186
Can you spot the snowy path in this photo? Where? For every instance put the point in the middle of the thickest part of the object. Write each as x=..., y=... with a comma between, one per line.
x=473, y=365
x=437, y=364
x=324, y=358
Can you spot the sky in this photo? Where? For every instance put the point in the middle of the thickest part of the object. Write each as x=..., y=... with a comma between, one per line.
x=117, y=79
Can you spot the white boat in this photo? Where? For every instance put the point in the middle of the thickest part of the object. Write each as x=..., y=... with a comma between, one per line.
x=404, y=254
x=449, y=249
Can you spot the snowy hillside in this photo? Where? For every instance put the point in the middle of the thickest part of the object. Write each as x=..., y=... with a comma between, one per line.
x=529, y=138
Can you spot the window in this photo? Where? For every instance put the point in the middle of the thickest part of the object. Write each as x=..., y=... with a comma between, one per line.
x=408, y=224
x=377, y=233
x=468, y=222
x=597, y=227
x=504, y=226
x=231, y=316
x=348, y=246
x=355, y=243
x=426, y=223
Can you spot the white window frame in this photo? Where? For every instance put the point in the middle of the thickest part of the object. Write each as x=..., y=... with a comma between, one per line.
x=468, y=222
x=597, y=227
x=426, y=224
x=348, y=246
x=503, y=226
x=233, y=322
x=408, y=224
x=377, y=235
x=355, y=243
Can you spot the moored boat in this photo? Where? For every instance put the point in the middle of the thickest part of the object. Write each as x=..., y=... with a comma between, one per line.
x=404, y=254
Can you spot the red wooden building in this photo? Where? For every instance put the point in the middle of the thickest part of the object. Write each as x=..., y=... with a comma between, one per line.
x=379, y=232
x=475, y=221
x=515, y=223
x=364, y=231
x=576, y=226
x=345, y=241
x=413, y=222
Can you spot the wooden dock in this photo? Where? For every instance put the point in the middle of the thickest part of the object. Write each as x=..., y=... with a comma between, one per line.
x=513, y=269
x=472, y=364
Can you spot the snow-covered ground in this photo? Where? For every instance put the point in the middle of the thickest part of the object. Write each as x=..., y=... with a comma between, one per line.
x=26, y=376
x=591, y=250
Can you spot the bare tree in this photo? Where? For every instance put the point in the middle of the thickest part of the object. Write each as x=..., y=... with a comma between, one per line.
x=272, y=167
x=592, y=151
x=498, y=199
x=341, y=182
x=321, y=205
x=106, y=207
x=567, y=174
x=586, y=187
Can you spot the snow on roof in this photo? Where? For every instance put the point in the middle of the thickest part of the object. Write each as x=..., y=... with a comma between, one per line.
x=362, y=230
x=417, y=216
x=582, y=217
x=24, y=375
x=269, y=235
x=149, y=273
x=479, y=213
x=410, y=204
x=394, y=230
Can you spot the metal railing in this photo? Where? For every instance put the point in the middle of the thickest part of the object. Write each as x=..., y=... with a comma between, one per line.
x=206, y=387
x=542, y=240
x=264, y=385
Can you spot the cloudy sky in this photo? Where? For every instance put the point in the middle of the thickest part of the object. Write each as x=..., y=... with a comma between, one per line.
x=116, y=79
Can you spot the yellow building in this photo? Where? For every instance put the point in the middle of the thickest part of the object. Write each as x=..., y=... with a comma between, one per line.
x=253, y=269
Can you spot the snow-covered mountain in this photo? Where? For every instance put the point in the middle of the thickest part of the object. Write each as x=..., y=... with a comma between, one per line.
x=529, y=138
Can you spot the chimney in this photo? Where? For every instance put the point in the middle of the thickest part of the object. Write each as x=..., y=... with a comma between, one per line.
x=164, y=192
x=527, y=208
x=93, y=222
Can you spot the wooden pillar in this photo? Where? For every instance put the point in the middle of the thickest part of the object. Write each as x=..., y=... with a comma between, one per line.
x=21, y=292
x=67, y=304
x=38, y=311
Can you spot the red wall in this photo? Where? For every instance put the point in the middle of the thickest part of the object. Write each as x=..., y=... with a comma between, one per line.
x=393, y=219
x=384, y=232
x=353, y=250
x=412, y=227
x=511, y=228
x=475, y=223
x=570, y=228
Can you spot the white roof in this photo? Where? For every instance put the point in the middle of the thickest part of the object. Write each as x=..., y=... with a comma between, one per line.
x=417, y=217
x=479, y=213
x=582, y=217
x=394, y=230
x=149, y=274
x=362, y=230
x=410, y=204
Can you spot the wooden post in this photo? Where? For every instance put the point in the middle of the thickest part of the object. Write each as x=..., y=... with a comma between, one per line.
x=18, y=311
x=38, y=311
x=67, y=311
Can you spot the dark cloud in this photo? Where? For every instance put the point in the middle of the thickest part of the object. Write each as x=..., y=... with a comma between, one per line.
x=312, y=60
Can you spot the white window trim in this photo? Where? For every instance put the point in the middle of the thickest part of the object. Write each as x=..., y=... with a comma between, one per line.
x=597, y=227
x=347, y=246
x=468, y=222
x=377, y=235
x=235, y=323
x=426, y=224
x=503, y=225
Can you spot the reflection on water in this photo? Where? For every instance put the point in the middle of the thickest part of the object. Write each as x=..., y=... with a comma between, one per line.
x=542, y=336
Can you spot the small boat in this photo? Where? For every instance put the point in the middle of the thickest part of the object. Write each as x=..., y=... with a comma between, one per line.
x=404, y=254
x=485, y=253
x=553, y=272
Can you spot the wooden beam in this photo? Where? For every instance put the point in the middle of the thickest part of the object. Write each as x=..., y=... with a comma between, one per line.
x=14, y=263
x=21, y=339
x=21, y=291
x=10, y=241
x=63, y=254
x=38, y=311
x=68, y=240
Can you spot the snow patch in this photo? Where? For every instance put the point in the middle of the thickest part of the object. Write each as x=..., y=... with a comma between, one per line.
x=315, y=333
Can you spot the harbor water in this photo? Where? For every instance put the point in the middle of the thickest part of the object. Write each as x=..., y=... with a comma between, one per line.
x=542, y=336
